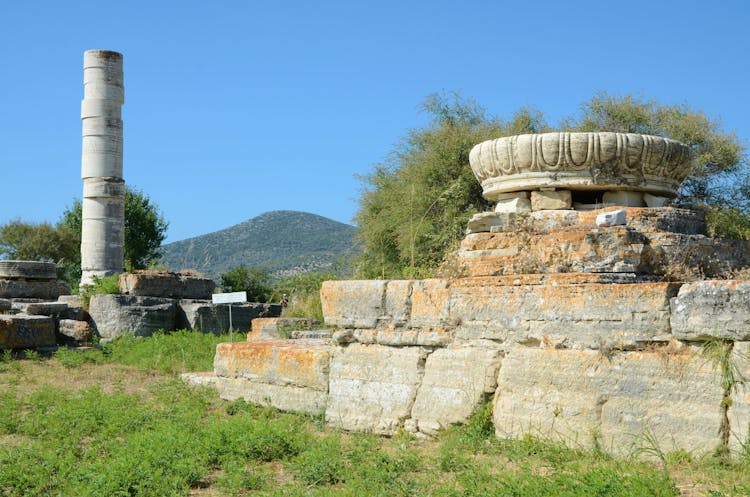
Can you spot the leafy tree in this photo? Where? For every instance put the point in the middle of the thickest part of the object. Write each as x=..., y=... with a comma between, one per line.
x=37, y=242
x=253, y=280
x=414, y=206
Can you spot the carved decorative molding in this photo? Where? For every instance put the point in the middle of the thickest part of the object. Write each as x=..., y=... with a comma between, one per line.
x=581, y=161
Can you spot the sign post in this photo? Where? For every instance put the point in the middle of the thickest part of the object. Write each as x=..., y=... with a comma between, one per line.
x=229, y=298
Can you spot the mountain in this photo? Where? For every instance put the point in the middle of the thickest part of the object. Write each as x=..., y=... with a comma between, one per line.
x=285, y=242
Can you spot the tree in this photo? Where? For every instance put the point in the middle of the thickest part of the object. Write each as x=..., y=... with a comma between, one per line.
x=253, y=280
x=414, y=206
x=37, y=242
x=145, y=228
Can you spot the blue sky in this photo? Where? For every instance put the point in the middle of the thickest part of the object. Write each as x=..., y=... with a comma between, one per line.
x=233, y=109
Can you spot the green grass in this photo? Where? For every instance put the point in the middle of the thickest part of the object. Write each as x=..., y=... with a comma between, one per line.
x=117, y=422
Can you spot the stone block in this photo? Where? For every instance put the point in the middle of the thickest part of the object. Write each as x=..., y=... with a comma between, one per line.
x=484, y=221
x=372, y=387
x=654, y=200
x=300, y=363
x=71, y=300
x=353, y=303
x=612, y=218
x=210, y=318
x=618, y=402
x=517, y=202
x=712, y=309
x=53, y=309
x=397, y=302
x=5, y=305
x=28, y=270
x=167, y=284
x=738, y=413
x=624, y=198
x=573, y=315
x=75, y=331
x=454, y=384
x=284, y=397
x=35, y=289
x=114, y=315
x=276, y=328
x=430, y=304
x=26, y=332
x=551, y=200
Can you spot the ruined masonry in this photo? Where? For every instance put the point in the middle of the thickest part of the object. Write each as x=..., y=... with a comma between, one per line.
x=572, y=315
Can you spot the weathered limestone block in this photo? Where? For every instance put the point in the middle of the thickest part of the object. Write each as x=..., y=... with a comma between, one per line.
x=646, y=220
x=286, y=398
x=515, y=202
x=35, y=289
x=26, y=332
x=53, y=309
x=551, y=200
x=210, y=318
x=169, y=284
x=712, y=309
x=399, y=336
x=738, y=412
x=372, y=387
x=353, y=303
x=29, y=270
x=301, y=363
x=276, y=328
x=397, y=302
x=613, y=249
x=584, y=398
x=484, y=221
x=624, y=198
x=654, y=200
x=114, y=315
x=75, y=331
x=587, y=315
x=291, y=375
x=455, y=381
x=430, y=303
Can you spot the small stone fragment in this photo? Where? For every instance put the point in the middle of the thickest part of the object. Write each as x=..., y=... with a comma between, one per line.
x=614, y=218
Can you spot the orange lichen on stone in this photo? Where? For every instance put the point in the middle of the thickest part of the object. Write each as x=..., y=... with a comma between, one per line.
x=301, y=363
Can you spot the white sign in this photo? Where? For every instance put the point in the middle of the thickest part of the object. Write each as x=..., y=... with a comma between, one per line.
x=229, y=298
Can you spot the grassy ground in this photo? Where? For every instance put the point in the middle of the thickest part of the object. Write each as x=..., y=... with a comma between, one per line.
x=117, y=422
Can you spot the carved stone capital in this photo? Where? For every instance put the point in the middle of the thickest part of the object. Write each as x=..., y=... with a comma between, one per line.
x=581, y=161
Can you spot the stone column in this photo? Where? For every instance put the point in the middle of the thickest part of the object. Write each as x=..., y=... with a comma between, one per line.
x=103, y=216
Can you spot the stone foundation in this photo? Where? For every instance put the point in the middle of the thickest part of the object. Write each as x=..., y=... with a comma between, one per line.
x=581, y=358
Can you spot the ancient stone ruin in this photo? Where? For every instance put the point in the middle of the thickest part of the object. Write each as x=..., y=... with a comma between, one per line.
x=570, y=315
x=152, y=300
x=103, y=209
x=35, y=310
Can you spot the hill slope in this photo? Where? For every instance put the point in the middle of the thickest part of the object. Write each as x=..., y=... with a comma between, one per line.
x=286, y=242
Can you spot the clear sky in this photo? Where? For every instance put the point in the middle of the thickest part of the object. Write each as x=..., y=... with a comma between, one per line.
x=236, y=108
